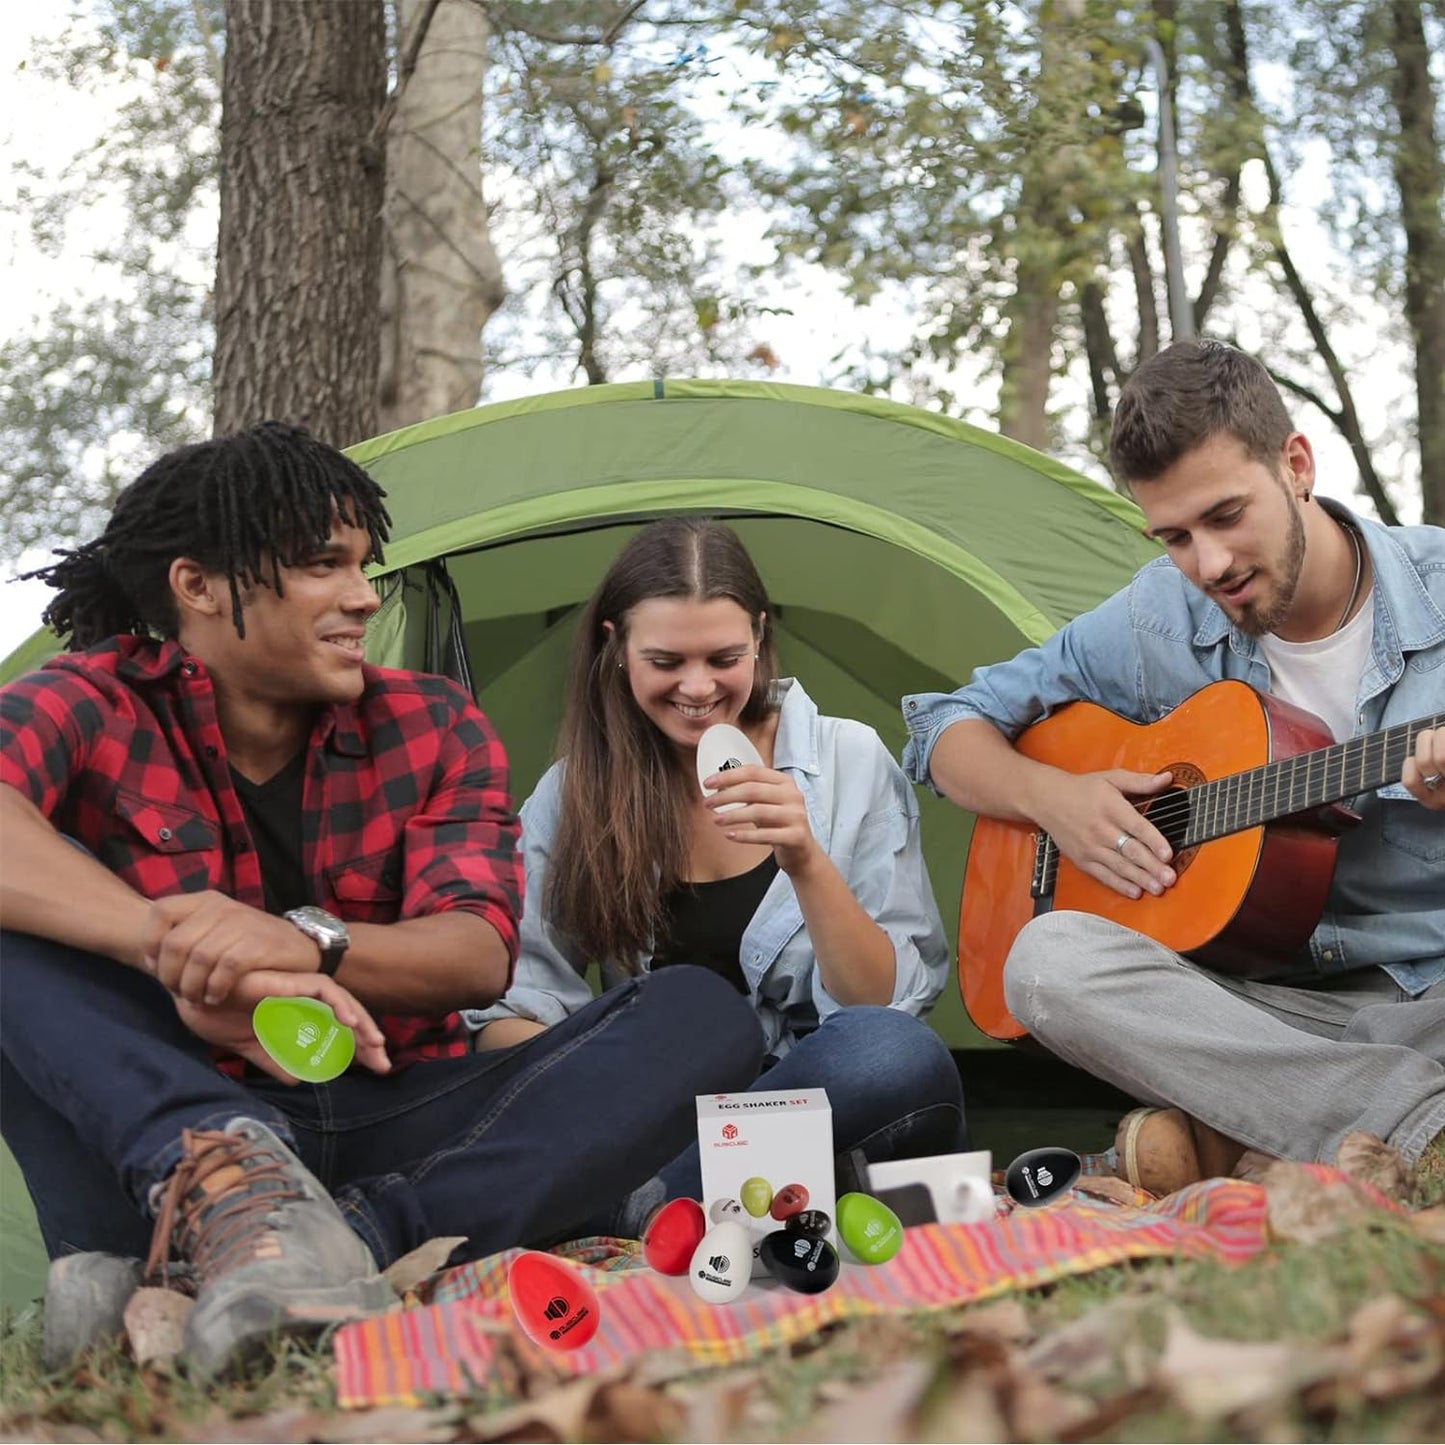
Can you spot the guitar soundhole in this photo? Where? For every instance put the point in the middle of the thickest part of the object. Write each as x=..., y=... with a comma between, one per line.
x=1169, y=812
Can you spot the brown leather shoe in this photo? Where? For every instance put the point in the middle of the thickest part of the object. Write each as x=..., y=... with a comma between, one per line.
x=1161, y=1150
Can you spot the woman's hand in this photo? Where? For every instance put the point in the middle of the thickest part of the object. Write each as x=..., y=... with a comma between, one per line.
x=228, y=1025
x=764, y=806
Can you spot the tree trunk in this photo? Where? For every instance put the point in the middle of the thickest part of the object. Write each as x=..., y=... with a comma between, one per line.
x=1039, y=240
x=1420, y=176
x=441, y=279
x=299, y=255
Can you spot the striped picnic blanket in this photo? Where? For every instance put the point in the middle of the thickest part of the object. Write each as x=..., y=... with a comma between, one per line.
x=447, y=1347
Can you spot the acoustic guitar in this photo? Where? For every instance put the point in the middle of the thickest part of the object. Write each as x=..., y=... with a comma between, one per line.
x=1252, y=813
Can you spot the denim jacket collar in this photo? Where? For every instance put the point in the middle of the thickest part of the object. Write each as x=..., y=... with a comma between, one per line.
x=795, y=748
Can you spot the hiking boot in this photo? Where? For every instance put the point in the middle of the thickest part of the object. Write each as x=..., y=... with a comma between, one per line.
x=1161, y=1150
x=85, y=1300
x=270, y=1249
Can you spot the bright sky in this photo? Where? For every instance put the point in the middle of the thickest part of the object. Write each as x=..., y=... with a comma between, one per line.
x=47, y=123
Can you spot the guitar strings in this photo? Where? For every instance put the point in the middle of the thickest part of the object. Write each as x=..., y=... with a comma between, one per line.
x=1178, y=805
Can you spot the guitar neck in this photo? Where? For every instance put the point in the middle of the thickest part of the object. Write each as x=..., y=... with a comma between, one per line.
x=1302, y=783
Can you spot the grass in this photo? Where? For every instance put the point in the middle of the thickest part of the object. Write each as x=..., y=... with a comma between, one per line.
x=1302, y=1294
x=1305, y=1293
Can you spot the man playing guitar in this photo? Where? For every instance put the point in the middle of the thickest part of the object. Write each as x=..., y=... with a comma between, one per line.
x=1268, y=585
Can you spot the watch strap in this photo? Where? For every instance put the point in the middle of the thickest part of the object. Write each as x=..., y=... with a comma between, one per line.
x=330, y=958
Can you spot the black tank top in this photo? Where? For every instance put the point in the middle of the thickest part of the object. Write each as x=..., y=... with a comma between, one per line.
x=704, y=922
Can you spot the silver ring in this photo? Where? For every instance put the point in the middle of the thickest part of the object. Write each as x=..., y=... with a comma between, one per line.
x=1120, y=841
x=1433, y=780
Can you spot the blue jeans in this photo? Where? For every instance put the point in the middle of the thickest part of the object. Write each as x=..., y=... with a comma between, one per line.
x=512, y=1146
x=892, y=1084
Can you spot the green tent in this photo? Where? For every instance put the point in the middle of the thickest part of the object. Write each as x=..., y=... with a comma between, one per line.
x=900, y=548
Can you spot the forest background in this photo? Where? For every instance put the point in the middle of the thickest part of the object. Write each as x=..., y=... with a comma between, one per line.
x=357, y=214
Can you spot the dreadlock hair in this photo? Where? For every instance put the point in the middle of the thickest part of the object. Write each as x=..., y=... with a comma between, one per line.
x=245, y=506
x=622, y=825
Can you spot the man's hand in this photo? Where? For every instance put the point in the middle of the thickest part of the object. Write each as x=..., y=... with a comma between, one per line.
x=1425, y=769
x=1090, y=814
x=199, y=944
x=772, y=811
x=228, y=1025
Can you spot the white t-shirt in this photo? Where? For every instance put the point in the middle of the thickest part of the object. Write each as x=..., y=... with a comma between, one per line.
x=1323, y=676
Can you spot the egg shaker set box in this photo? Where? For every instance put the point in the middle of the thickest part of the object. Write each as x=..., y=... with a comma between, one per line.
x=766, y=1157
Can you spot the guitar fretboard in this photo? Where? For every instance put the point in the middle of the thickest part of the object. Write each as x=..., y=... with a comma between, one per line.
x=1302, y=783
x=1261, y=795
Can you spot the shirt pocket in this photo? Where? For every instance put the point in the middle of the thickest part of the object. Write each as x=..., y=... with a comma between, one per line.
x=1412, y=828
x=165, y=827
x=367, y=890
x=160, y=848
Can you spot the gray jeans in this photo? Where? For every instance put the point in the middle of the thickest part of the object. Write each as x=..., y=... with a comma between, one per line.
x=1286, y=1070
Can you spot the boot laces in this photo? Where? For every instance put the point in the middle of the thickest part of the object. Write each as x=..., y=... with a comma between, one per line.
x=216, y=1232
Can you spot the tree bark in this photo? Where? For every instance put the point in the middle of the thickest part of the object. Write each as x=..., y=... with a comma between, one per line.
x=1038, y=243
x=1420, y=176
x=299, y=255
x=441, y=277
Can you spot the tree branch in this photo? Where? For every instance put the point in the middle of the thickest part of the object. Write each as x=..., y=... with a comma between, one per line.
x=503, y=14
x=405, y=66
x=1348, y=420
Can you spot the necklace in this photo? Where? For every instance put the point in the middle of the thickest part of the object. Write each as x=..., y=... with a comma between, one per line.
x=1355, y=590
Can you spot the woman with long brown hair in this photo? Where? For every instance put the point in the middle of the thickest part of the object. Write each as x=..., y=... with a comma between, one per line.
x=800, y=881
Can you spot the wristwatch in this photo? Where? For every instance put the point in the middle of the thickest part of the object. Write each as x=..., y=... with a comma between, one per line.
x=326, y=929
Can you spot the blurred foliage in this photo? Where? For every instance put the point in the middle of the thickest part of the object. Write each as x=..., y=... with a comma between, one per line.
x=980, y=176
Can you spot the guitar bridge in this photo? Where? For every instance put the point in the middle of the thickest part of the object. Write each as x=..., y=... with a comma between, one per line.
x=1046, y=872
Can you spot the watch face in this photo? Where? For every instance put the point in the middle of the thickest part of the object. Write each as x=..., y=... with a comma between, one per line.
x=325, y=927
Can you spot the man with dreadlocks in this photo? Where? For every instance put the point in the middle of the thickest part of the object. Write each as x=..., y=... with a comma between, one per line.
x=261, y=813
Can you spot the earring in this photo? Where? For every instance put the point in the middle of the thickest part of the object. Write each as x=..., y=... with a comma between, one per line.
x=1305, y=498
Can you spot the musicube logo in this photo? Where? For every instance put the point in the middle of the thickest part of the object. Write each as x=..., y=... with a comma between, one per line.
x=720, y=1264
x=730, y=1131
x=582, y=1314
x=556, y=1308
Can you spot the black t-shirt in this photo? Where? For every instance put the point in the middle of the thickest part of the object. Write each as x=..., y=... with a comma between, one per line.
x=273, y=814
x=705, y=921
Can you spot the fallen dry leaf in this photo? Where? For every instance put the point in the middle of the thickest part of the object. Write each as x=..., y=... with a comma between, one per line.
x=1213, y=1379
x=626, y=1410
x=1090, y=1345
x=883, y=1409
x=1005, y=1319
x=155, y=1320
x=1038, y=1411
x=1429, y=1224
x=560, y=1411
x=714, y=1408
x=406, y=1273
x=1304, y=1208
x=1374, y=1162
x=969, y=1412
x=397, y=1424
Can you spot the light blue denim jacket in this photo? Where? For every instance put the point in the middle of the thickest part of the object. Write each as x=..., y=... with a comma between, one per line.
x=1147, y=648
x=864, y=815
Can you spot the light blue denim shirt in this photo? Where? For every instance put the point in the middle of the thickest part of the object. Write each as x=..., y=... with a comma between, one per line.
x=864, y=815
x=1148, y=647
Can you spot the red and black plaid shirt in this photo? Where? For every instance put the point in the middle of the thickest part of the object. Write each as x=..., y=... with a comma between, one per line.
x=405, y=809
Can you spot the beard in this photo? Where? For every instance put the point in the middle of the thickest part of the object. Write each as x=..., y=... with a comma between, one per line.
x=1258, y=618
